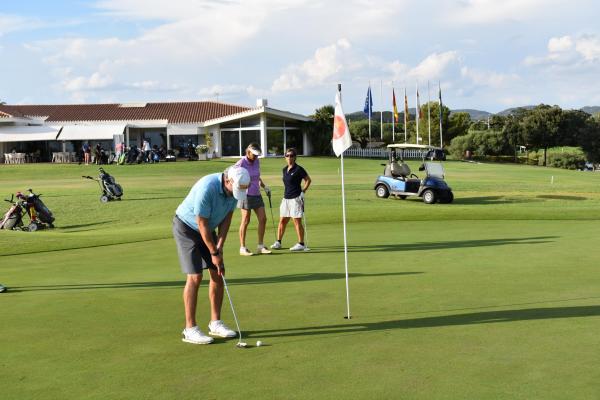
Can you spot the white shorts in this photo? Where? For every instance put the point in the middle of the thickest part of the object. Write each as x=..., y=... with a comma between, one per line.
x=291, y=208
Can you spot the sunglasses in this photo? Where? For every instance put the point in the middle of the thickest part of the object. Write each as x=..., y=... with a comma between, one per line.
x=291, y=155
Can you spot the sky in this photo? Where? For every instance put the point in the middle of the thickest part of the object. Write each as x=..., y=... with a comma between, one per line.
x=486, y=54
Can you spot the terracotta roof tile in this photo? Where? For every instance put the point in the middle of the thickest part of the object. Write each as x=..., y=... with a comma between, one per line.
x=181, y=112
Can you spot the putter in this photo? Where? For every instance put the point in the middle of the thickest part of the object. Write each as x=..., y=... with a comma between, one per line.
x=239, y=343
x=305, y=227
x=271, y=208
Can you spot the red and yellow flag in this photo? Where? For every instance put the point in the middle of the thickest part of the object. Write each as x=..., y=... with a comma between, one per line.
x=394, y=104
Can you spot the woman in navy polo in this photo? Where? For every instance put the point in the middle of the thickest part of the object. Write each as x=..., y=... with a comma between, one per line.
x=292, y=205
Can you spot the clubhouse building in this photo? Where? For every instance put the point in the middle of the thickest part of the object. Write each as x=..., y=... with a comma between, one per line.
x=227, y=129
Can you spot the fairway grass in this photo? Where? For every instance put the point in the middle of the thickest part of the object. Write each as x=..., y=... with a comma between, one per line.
x=496, y=296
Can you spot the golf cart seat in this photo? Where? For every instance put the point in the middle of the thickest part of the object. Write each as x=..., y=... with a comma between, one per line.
x=399, y=170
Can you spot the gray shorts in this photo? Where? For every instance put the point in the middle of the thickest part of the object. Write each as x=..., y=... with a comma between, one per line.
x=194, y=256
x=251, y=203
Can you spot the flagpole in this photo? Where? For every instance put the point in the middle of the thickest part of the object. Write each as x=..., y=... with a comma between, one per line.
x=440, y=97
x=405, y=113
x=370, y=108
x=381, y=107
x=417, y=111
x=348, y=316
x=393, y=115
x=428, y=114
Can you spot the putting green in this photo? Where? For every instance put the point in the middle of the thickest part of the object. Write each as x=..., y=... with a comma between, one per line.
x=494, y=296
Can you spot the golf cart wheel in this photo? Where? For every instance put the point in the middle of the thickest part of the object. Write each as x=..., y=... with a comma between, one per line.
x=32, y=227
x=429, y=196
x=104, y=199
x=382, y=192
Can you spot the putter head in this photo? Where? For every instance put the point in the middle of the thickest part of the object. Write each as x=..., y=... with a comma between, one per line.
x=242, y=345
x=306, y=249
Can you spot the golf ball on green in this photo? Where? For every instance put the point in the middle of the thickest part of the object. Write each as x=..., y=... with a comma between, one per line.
x=258, y=343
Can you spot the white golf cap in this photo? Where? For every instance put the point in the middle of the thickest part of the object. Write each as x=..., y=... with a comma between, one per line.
x=254, y=149
x=241, y=180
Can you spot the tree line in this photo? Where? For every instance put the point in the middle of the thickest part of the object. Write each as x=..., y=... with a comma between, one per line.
x=536, y=129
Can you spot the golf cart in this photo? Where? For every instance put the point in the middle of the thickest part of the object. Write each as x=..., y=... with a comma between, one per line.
x=398, y=180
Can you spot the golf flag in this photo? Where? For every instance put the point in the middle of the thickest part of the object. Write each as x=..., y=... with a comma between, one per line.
x=341, y=133
x=368, y=103
x=405, y=108
x=341, y=141
x=440, y=97
x=405, y=114
x=394, y=105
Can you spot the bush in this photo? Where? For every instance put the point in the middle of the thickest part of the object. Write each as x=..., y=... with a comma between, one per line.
x=567, y=158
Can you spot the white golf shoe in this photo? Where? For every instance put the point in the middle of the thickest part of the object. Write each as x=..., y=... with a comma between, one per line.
x=195, y=336
x=262, y=250
x=245, y=252
x=297, y=247
x=276, y=245
x=218, y=328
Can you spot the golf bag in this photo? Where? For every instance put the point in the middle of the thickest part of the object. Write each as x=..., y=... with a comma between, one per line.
x=39, y=214
x=111, y=190
x=13, y=218
x=122, y=158
x=133, y=154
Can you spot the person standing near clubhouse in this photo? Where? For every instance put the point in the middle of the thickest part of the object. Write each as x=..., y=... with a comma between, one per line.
x=87, y=153
x=254, y=200
x=292, y=205
x=208, y=206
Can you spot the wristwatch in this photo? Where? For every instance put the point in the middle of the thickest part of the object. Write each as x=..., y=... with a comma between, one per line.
x=216, y=253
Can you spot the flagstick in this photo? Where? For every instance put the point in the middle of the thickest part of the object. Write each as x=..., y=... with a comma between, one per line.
x=348, y=316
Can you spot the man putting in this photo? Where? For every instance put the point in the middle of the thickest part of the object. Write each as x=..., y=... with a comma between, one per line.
x=209, y=205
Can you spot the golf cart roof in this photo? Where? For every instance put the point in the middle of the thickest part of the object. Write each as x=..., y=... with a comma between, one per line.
x=412, y=146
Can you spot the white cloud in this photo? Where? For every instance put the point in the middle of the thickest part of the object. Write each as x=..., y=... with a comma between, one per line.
x=326, y=63
x=488, y=79
x=432, y=67
x=568, y=52
x=494, y=11
x=13, y=23
x=588, y=47
x=560, y=44
x=94, y=82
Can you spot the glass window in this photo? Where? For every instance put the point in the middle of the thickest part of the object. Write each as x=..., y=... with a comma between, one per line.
x=249, y=137
x=294, y=139
x=275, y=142
x=230, y=143
x=250, y=122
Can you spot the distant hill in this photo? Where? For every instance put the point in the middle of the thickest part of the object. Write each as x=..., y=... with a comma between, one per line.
x=591, y=109
x=509, y=111
x=475, y=114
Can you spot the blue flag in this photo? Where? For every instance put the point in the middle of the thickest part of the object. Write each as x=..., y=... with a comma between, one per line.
x=369, y=103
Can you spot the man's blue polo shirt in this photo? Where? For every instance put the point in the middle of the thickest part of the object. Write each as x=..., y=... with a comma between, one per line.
x=206, y=199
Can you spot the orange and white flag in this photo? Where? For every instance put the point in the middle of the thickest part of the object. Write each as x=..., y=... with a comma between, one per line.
x=341, y=133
